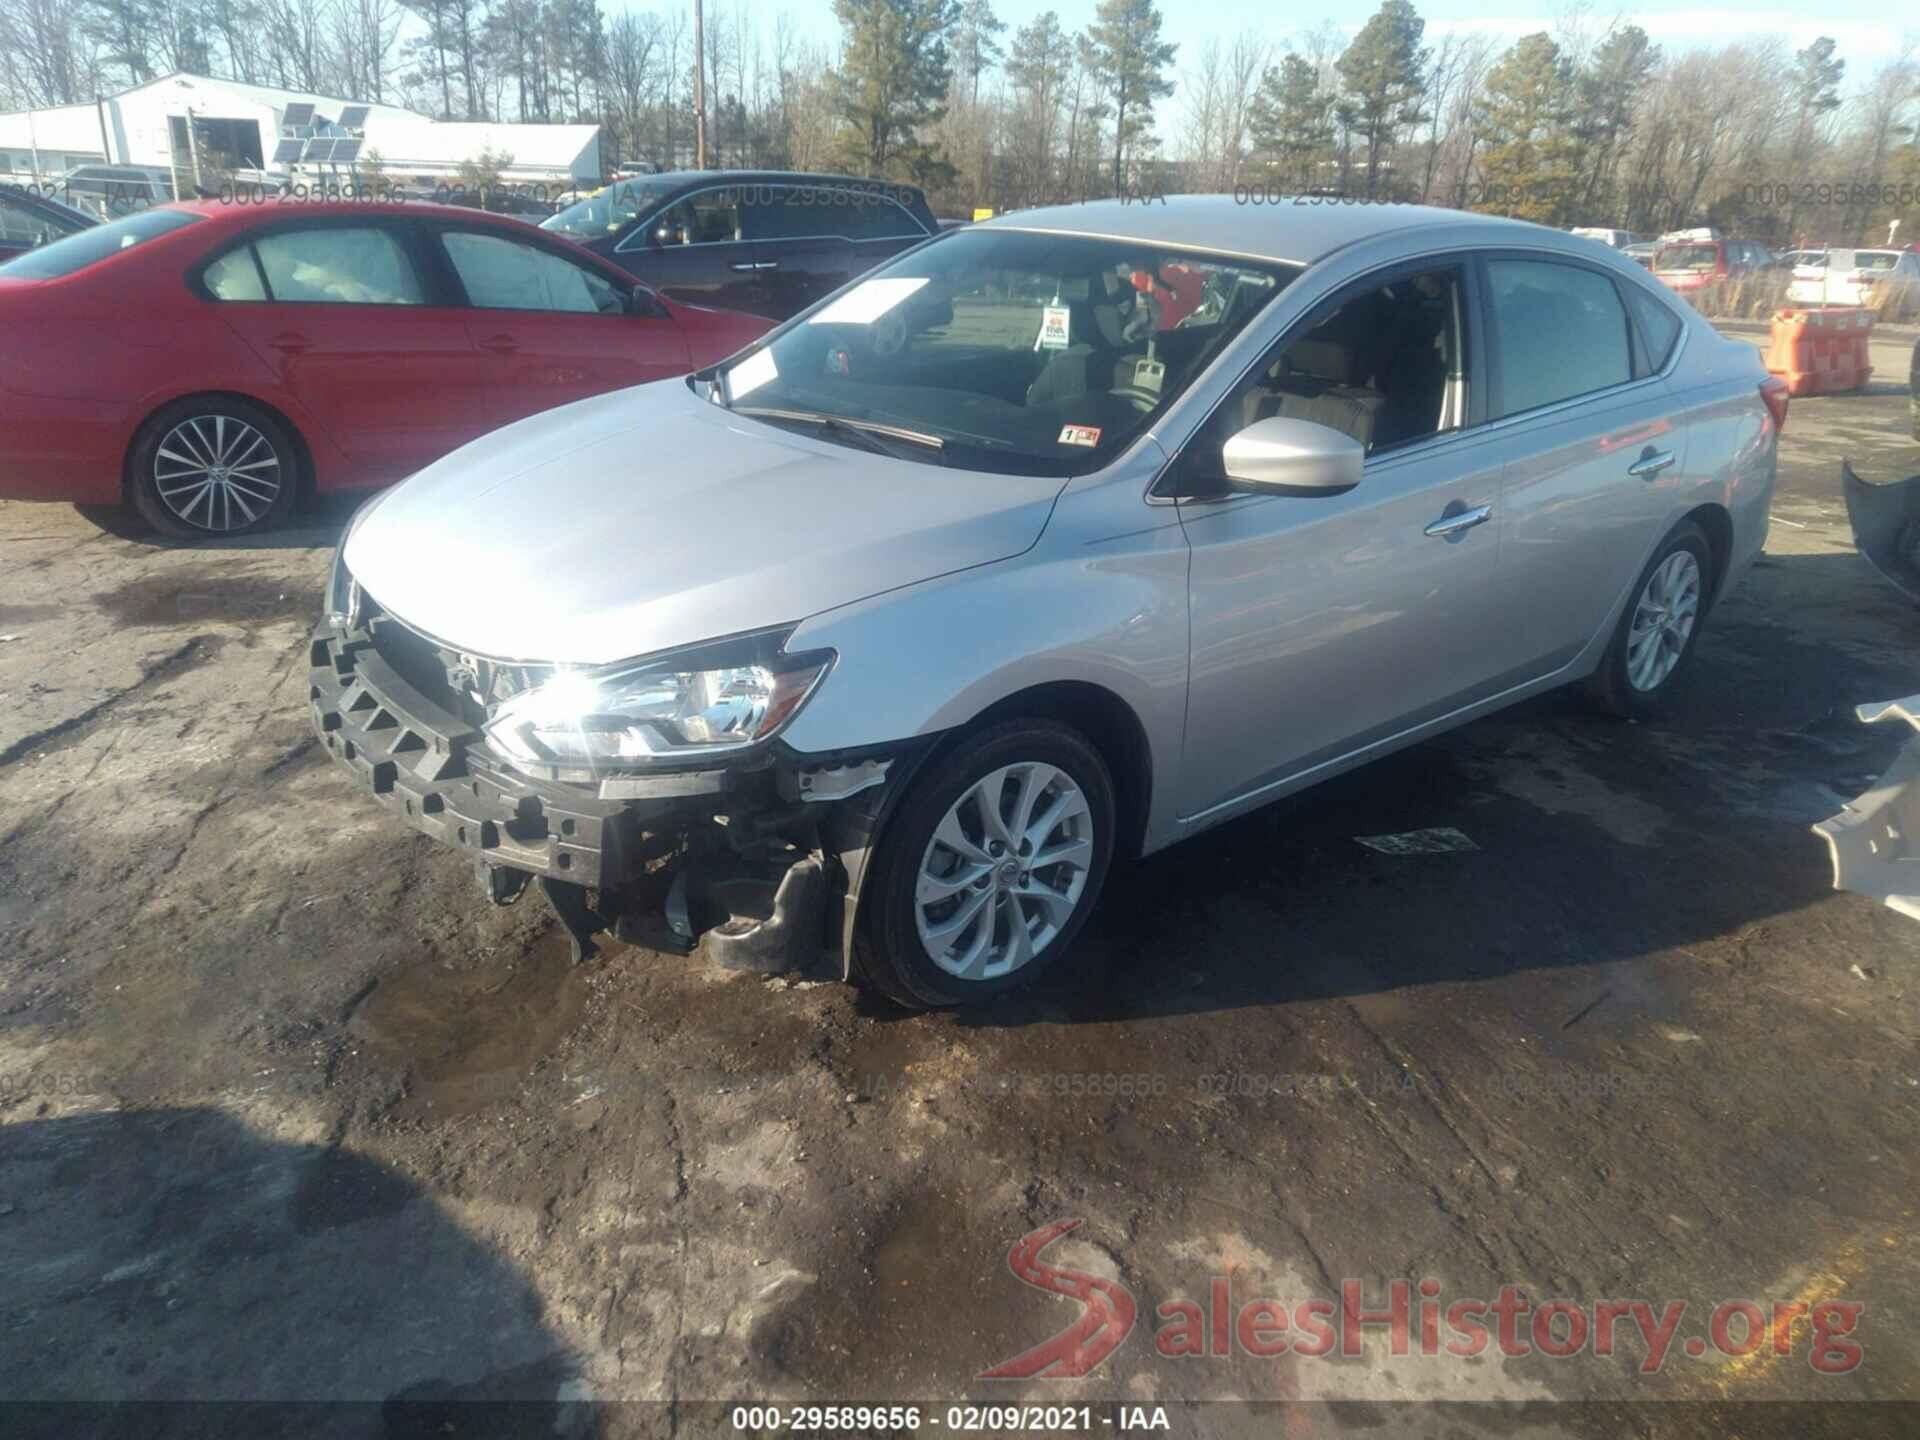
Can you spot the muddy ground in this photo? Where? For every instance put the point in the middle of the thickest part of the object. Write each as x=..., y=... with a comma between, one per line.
x=290, y=1115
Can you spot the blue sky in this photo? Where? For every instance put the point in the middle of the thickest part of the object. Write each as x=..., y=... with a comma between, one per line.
x=1866, y=32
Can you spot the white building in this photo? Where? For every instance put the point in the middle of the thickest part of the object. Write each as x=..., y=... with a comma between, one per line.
x=149, y=125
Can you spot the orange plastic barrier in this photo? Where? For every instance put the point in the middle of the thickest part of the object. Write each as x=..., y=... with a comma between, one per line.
x=1821, y=351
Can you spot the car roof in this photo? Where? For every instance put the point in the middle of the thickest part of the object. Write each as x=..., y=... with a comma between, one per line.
x=738, y=177
x=234, y=215
x=1295, y=230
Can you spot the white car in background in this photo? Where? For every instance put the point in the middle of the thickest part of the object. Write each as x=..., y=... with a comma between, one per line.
x=1853, y=277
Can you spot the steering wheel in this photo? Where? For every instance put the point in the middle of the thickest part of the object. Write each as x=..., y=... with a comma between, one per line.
x=889, y=334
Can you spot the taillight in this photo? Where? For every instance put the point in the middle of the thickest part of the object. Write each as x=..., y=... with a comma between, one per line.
x=1773, y=391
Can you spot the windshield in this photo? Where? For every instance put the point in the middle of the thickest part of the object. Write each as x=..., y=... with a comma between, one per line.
x=1021, y=353
x=1687, y=257
x=607, y=210
x=89, y=247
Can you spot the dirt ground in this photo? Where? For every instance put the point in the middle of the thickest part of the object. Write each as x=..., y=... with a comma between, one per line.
x=288, y=1114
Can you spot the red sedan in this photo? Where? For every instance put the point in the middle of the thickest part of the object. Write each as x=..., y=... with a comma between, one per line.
x=208, y=361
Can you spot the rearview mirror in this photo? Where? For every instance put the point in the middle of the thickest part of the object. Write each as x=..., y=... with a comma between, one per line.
x=1293, y=457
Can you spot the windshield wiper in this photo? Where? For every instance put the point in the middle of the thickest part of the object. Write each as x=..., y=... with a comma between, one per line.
x=867, y=434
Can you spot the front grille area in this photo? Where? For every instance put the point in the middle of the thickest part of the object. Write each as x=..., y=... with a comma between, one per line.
x=392, y=731
x=469, y=686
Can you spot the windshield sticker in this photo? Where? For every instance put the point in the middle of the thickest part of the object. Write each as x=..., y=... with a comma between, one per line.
x=751, y=373
x=866, y=303
x=1079, y=435
x=1054, y=326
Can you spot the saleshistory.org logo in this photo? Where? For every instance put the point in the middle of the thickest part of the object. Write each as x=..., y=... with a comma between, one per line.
x=1509, y=1324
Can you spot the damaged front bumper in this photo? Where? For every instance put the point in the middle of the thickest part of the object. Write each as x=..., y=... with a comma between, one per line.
x=1886, y=527
x=758, y=860
x=1875, y=840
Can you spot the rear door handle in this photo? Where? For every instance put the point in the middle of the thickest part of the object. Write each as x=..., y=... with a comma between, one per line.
x=756, y=265
x=500, y=344
x=1650, y=463
x=290, y=341
x=1450, y=527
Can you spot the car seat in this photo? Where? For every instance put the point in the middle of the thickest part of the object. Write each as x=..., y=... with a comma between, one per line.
x=1314, y=380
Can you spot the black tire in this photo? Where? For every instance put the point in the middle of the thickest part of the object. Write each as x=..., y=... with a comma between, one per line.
x=1611, y=687
x=164, y=452
x=888, y=947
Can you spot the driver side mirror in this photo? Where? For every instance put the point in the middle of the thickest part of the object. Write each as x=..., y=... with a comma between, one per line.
x=1277, y=456
x=641, y=303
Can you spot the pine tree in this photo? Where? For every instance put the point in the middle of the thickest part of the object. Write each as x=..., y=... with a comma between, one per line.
x=1126, y=52
x=976, y=48
x=1525, y=117
x=1292, y=117
x=893, y=78
x=1608, y=93
x=1383, y=73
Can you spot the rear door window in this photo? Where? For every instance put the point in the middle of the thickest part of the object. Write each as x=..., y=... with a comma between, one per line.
x=1560, y=331
x=339, y=265
x=790, y=212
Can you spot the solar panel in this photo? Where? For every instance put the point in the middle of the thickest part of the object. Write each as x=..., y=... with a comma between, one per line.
x=354, y=117
x=287, y=151
x=300, y=113
x=318, y=150
x=345, y=152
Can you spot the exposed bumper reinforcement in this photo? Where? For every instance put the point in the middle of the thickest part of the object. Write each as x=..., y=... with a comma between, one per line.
x=432, y=769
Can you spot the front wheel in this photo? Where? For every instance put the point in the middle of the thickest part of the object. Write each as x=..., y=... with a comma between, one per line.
x=1655, y=638
x=991, y=866
x=212, y=465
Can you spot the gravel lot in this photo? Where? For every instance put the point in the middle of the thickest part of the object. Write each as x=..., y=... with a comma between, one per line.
x=287, y=1113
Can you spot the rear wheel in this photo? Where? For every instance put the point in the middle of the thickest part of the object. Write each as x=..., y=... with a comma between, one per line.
x=213, y=465
x=991, y=867
x=1655, y=638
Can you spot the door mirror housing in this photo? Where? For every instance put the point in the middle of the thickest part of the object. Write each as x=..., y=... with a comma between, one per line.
x=643, y=303
x=1278, y=456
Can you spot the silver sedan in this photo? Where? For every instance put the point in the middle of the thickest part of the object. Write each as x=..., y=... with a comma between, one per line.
x=1059, y=537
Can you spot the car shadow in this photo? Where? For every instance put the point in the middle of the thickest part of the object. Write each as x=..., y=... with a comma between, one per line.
x=316, y=521
x=1595, y=840
x=173, y=1272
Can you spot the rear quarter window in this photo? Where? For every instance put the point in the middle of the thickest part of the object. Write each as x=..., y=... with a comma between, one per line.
x=1659, y=326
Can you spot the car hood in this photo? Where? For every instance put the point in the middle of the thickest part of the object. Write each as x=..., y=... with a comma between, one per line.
x=650, y=518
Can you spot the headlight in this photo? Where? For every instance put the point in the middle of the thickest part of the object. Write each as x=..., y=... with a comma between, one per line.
x=684, y=707
x=343, y=591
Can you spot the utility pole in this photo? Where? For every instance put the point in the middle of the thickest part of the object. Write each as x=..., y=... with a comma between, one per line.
x=699, y=86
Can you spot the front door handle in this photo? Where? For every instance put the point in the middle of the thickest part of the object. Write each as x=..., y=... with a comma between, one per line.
x=500, y=344
x=289, y=342
x=1650, y=463
x=1452, y=527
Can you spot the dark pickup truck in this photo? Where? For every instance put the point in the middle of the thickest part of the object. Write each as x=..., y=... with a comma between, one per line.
x=767, y=242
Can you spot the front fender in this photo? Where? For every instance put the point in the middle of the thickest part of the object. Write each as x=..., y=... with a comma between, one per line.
x=932, y=657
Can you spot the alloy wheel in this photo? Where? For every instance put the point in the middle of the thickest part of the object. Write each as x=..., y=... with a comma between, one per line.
x=1004, y=872
x=1663, y=620
x=216, y=472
